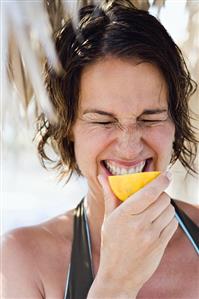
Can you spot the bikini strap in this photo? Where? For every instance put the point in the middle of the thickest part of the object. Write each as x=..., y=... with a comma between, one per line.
x=80, y=274
x=188, y=226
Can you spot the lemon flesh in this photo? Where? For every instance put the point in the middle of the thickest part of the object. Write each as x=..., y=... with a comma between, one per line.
x=125, y=185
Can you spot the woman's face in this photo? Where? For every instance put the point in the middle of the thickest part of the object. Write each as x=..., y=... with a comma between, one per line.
x=123, y=125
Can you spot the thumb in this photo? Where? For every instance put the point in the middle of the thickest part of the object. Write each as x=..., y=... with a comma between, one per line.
x=110, y=201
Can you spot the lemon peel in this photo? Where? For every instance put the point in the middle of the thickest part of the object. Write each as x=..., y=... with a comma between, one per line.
x=125, y=185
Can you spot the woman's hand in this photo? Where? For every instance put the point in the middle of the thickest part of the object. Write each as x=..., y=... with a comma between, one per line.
x=134, y=237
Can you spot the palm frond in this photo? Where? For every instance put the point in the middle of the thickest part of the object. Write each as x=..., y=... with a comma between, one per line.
x=191, y=49
x=27, y=36
x=141, y=4
x=17, y=73
x=25, y=40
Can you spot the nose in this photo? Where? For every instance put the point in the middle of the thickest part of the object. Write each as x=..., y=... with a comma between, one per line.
x=129, y=141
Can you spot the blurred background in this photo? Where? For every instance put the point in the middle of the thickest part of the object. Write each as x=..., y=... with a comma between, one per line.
x=29, y=193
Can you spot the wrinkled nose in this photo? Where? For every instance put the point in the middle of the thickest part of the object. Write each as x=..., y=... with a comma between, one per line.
x=129, y=143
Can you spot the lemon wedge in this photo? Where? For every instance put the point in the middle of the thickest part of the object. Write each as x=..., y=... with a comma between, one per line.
x=125, y=185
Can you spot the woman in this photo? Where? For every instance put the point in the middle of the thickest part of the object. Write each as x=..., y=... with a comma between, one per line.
x=122, y=107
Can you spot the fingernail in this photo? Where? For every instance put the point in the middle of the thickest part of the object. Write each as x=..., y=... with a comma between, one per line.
x=168, y=174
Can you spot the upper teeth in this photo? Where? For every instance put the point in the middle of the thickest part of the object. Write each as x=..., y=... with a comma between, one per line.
x=118, y=170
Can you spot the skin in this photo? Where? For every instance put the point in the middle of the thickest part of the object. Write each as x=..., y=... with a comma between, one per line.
x=37, y=258
x=101, y=89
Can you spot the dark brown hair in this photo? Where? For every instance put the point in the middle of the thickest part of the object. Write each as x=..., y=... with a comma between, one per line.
x=118, y=29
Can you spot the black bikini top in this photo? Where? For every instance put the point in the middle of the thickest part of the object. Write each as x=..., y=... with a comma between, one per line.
x=80, y=273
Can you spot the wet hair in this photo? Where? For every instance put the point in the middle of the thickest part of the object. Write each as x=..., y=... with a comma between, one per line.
x=117, y=29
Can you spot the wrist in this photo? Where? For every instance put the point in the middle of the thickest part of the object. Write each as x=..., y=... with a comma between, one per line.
x=107, y=287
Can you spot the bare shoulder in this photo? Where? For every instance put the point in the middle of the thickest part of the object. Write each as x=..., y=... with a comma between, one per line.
x=19, y=270
x=190, y=209
x=32, y=255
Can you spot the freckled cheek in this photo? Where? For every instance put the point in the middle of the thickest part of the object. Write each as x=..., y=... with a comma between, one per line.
x=89, y=145
x=161, y=139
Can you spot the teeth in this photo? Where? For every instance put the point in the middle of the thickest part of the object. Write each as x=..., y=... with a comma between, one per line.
x=116, y=170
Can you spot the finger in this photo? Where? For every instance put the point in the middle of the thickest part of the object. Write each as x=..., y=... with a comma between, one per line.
x=157, y=207
x=164, y=219
x=110, y=201
x=168, y=232
x=142, y=199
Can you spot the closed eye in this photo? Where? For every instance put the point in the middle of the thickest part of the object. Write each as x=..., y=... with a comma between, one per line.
x=103, y=122
x=151, y=122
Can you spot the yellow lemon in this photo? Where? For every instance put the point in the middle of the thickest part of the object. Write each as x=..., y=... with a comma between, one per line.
x=125, y=185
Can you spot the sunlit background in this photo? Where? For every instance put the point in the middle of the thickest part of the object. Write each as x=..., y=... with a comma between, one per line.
x=32, y=194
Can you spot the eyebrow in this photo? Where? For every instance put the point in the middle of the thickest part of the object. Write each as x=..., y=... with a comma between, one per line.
x=145, y=112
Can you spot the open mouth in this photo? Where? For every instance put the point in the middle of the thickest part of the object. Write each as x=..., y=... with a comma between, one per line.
x=115, y=169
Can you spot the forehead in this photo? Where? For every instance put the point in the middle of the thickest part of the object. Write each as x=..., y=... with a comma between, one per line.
x=123, y=87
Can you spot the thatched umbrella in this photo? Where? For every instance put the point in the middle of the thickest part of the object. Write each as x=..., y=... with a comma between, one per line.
x=27, y=30
x=27, y=40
